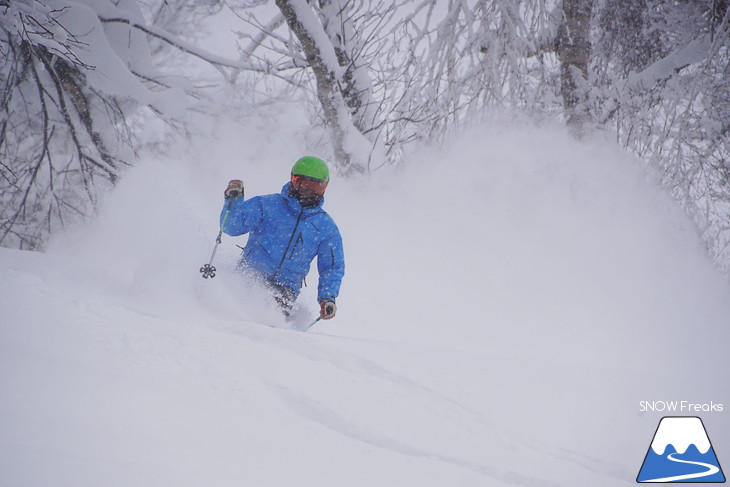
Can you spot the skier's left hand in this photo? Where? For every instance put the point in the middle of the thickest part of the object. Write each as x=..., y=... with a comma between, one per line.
x=327, y=310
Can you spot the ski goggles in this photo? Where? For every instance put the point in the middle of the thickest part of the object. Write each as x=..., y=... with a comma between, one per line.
x=307, y=185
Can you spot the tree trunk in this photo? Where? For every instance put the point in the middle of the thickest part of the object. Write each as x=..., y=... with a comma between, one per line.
x=355, y=85
x=337, y=117
x=574, y=49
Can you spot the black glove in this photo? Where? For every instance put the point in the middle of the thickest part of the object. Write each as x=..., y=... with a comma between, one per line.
x=234, y=189
x=327, y=310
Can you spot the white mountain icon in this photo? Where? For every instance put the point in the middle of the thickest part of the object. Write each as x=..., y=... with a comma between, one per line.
x=680, y=432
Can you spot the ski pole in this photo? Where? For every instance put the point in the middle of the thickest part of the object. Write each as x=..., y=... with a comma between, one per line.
x=312, y=323
x=208, y=270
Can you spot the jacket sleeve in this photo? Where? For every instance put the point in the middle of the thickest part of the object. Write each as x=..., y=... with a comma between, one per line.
x=331, y=267
x=244, y=216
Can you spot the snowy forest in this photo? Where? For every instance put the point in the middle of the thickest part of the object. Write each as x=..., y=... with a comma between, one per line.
x=84, y=82
x=533, y=200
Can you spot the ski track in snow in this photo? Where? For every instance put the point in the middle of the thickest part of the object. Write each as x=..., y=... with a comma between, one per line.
x=312, y=410
x=315, y=349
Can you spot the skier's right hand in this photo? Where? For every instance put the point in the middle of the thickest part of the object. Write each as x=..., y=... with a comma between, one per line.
x=234, y=189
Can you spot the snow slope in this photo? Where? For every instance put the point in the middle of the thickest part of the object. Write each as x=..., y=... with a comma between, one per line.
x=507, y=304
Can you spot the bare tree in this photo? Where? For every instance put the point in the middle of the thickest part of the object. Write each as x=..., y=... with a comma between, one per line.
x=71, y=74
x=342, y=21
x=53, y=152
x=322, y=59
x=661, y=85
x=574, y=50
x=468, y=60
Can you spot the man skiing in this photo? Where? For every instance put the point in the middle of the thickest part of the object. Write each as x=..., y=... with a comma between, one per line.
x=287, y=231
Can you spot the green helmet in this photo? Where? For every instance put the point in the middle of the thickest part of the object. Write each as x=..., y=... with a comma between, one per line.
x=312, y=167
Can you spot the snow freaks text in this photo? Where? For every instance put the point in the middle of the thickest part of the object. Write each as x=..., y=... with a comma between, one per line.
x=680, y=407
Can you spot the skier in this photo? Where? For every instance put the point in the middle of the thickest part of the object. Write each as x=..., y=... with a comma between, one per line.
x=287, y=231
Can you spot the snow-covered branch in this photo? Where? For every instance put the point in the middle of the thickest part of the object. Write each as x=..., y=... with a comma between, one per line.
x=186, y=47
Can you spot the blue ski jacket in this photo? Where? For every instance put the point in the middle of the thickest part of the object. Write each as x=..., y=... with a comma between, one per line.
x=284, y=239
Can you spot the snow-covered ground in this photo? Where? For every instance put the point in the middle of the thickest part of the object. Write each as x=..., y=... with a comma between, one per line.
x=508, y=303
